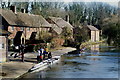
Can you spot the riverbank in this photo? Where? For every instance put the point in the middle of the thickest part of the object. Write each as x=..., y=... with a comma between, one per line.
x=85, y=44
x=15, y=68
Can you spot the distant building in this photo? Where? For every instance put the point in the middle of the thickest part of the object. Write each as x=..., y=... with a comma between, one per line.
x=93, y=32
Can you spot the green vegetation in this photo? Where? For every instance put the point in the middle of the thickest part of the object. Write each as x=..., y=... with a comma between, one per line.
x=111, y=30
x=57, y=42
x=80, y=35
x=67, y=36
x=44, y=36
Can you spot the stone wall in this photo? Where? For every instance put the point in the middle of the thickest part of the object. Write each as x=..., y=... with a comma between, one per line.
x=3, y=49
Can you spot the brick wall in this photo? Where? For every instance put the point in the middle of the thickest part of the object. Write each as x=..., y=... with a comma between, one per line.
x=13, y=31
x=27, y=31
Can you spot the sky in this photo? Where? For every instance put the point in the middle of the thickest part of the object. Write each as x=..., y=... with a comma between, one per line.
x=111, y=2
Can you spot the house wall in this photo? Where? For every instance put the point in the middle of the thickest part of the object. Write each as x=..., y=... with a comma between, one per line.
x=3, y=49
x=26, y=34
x=29, y=32
x=13, y=30
x=93, y=36
x=97, y=35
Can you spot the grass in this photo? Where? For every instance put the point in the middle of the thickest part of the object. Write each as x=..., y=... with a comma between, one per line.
x=88, y=43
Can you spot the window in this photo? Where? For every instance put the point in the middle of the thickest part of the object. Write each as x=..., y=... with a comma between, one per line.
x=22, y=28
x=12, y=28
x=28, y=29
x=2, y=46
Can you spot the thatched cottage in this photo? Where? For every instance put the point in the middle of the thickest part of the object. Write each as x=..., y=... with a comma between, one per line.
x=58, y=24
x=23, y=26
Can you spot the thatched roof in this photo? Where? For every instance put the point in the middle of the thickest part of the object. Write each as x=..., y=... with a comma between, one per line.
x=32, y=20
x=9, y=16
x=23, y=19
x=57, y=29
x=92, y=28
x=39, y=21
x=60, y=22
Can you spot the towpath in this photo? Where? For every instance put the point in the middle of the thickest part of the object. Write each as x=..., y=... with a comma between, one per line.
x=15, y=68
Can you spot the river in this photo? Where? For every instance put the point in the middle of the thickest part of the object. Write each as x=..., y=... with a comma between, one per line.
x=97, y=62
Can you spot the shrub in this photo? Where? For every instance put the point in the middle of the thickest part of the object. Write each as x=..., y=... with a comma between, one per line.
x=44, y=36
x=69, y=42
x=57, y=42
x=66, y=33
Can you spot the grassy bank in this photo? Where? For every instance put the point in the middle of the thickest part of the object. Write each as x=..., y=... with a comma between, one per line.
x=88, y=43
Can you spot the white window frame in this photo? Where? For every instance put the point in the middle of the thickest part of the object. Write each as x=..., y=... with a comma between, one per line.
x=2, y=45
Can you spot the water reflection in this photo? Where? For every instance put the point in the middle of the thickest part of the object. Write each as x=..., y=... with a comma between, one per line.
x=94, y=48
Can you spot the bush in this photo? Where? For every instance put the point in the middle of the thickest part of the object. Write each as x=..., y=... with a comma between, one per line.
x=57, y=42
x=66, y=33
x=81, y=35
x=44, y=36
x=69, y=42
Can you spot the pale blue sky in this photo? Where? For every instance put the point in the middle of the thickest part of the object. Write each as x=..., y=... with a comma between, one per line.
x=111, y=2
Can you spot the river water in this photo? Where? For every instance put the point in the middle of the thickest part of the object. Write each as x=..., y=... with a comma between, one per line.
x=98, y=62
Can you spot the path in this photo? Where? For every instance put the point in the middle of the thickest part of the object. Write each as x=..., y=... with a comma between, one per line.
x=15, y=68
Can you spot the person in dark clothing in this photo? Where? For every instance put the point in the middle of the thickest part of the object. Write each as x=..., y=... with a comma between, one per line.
x=22, y=50
x=45, y=54
x=49, y=55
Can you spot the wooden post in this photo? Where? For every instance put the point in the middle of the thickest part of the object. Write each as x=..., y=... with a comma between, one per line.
x=6, y=48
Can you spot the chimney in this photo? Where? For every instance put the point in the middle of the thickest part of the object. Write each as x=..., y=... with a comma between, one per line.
x=67, y=18
x=23, y=10
x=13, y=8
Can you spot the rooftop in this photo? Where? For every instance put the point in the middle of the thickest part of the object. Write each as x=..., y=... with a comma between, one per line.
x=92, y=28
x=60, y=22
x=9, y=16
x=23, y=19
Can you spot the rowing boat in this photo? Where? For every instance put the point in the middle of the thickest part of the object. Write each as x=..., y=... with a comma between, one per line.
x=46, y=63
